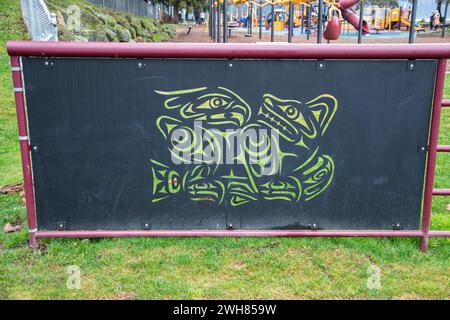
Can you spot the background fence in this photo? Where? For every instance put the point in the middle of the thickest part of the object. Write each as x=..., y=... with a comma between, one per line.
x=137, y=7
x=41, y=24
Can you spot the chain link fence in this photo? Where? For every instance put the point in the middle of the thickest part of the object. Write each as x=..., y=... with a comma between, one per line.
x=137, y=7
x=41, y=24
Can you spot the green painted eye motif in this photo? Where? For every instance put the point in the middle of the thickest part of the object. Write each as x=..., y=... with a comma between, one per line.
x=291, y=112
x=216, y=103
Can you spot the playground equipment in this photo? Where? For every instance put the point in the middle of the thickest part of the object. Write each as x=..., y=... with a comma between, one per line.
x=116, y=153
x=281, y=20
x=391, y=18
x=306, y=13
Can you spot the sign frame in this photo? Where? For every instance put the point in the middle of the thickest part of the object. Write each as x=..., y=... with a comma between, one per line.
x=439, y=52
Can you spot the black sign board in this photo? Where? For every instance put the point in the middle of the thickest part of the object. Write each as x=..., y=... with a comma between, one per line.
x=178, y=144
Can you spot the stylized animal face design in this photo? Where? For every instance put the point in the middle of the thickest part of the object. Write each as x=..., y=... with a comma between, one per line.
x=218, y=107
x=297, y=122
x=299, y=125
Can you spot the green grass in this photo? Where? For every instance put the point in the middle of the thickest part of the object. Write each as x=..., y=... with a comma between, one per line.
x=208, y=267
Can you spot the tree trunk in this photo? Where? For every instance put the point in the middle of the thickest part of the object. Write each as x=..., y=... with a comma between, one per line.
x=176, y=8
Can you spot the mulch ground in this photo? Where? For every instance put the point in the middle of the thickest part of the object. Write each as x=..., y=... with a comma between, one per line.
x=200, y=34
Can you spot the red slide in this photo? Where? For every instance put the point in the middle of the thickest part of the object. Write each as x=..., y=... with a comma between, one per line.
x=348, y=14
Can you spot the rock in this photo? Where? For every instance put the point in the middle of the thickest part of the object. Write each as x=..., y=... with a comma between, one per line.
x=10, y=228
x=136, y=25
x=123, y=35
x=99, y=36
x=60, y=19
x=110, y=34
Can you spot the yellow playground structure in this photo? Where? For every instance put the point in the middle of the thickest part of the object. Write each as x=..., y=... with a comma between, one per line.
x=391, y=18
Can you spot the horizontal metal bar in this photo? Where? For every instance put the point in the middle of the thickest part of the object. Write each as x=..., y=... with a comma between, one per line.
x=439, y=234
x=228, y=50
x=446, y=102
x=227, y=233
x=442, y=148
x=441, y=192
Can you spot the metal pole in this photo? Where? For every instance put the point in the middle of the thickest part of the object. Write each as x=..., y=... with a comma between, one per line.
x=218, y=21
x=445, y=19
x=24, y=150
x=260, y=19
x=432, y=147
x=291, y=21
x=225, y=21
x=400, y=19
x=319, y=23
x=272, y=35
x=213, y=20
x=251, y=19
x=412, y=29
x=361, y=17
x=209, y=19
x=301, y=25
x=308, y=22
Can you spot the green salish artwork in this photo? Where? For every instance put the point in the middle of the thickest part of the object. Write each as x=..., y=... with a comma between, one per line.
x=233, y=153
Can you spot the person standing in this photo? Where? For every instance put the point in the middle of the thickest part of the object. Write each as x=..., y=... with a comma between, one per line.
x=202, y=17
x=436, y=20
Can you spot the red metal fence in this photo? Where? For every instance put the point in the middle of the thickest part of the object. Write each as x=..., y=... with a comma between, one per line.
x=440, y=52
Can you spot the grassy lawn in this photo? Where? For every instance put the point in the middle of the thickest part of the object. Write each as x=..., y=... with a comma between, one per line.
x=152, y=268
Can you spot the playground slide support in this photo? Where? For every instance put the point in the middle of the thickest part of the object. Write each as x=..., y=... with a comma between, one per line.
x=16, y=68
x=412, y=28
x=432, y=150
x=445, y=19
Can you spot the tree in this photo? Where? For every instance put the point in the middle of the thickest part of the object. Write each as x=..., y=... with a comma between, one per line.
x=194, y=5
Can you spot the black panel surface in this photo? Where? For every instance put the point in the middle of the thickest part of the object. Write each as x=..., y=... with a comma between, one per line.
x=349, y=142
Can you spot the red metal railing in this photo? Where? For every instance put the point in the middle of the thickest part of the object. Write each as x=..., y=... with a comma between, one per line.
x=73, y=49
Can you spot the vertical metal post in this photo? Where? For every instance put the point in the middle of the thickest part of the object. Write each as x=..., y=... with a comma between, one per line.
x=302, y=29
x=209, y=18
x=16, y=67
x=308, y=22
x=225, y=21
x=251, y=19
x=385, y=18
x=412, y=29
x=400, y=19
x=445, y=19
x=218, y=21
x=319, y=22
x=272, y=35
x=361, y=17
x=260, y=19
x=432, y=147
x=213, y=20
x=291, y=21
